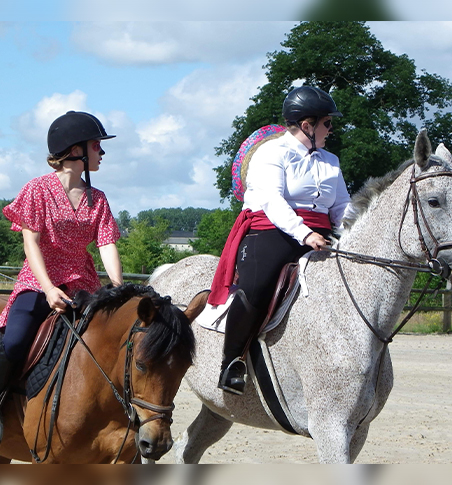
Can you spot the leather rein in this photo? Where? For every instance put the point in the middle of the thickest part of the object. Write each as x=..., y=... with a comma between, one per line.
x=435, y=266
x=128, y=401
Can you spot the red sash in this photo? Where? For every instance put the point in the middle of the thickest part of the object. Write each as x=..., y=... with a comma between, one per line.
x=245, y=221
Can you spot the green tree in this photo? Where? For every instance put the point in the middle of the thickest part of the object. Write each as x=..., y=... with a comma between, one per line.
x=213, y=230
x=178, y=219
x=11, y=242
x=142, y=250
x=124, y=221
x=11, y=245
x=381, y=95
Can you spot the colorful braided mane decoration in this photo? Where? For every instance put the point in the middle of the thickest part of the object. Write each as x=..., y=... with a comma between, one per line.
x=257, y=137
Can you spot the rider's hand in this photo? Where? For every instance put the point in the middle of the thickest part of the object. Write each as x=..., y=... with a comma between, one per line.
x=53, y=296
x=316, y=241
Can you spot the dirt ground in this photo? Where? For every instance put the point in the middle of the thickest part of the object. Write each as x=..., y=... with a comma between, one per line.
x=415, y=426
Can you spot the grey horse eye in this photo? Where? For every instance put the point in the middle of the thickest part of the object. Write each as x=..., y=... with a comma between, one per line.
x=433, y=202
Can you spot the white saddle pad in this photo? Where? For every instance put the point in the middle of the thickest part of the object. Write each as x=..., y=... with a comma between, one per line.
x=214, y=317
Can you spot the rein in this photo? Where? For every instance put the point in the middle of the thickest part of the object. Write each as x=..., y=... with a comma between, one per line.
x=127, y=401
x=435, y=266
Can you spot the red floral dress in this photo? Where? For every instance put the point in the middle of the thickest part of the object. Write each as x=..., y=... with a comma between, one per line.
x=44, y=207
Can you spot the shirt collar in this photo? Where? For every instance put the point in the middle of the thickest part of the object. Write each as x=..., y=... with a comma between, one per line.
x=293, y=142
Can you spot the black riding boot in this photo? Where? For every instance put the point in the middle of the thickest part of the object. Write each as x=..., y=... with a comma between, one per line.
x=241, y=323
x=6, y=368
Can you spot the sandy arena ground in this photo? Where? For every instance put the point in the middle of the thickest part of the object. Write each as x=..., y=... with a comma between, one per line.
x=415, y=426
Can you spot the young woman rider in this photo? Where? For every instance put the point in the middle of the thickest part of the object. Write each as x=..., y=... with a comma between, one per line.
x=59, y=214
x=295, y=193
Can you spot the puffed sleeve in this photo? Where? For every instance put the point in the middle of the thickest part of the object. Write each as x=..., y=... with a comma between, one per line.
x=107, y=229
x=341, y=203
x=28, y=207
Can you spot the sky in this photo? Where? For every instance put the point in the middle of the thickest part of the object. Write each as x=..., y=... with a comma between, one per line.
x=169, y=90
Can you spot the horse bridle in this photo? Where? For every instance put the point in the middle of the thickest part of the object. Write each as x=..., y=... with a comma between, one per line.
x=433, y=260
x=435, y=266
x=127, y=401
x=163, y=412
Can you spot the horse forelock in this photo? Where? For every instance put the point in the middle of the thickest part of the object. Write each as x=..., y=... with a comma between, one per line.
x=109, y=298
x=169, y=332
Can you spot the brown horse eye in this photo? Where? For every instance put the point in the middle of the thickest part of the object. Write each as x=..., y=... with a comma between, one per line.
x=140, y=366
x=433, y=202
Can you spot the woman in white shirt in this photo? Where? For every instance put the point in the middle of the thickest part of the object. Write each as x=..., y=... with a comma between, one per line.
x=294, y=194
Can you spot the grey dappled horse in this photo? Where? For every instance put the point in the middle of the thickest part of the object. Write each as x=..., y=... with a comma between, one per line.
x=326, y=358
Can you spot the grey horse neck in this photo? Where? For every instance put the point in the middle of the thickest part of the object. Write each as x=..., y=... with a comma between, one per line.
x=376, y=233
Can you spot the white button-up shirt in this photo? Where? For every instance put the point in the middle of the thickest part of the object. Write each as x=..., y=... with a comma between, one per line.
x=283, y=176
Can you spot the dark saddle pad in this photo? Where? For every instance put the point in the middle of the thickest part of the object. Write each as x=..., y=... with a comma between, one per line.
x=40, y=372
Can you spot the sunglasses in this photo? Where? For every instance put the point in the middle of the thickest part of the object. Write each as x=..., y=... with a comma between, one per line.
x=328, y=124
x=96, y=146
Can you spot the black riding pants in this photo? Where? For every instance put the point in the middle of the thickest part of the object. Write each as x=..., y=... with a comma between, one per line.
x=27, y=313
x=261, y=256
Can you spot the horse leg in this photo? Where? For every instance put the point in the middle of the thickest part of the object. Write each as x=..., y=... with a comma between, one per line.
x=206, y=429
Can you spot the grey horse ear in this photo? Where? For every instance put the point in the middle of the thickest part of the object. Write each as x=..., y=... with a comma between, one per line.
x=422, y=149
x=443, y=153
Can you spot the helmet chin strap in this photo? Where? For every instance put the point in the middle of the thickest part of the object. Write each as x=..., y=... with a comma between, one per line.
x=311, y=138
x=85, y=161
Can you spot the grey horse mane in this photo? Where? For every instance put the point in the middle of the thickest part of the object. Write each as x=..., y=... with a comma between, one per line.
x=373, y=187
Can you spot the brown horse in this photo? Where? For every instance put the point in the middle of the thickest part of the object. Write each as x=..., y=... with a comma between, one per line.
x=135, y=336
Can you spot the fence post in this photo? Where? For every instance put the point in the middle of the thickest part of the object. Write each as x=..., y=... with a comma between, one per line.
x=447, y=300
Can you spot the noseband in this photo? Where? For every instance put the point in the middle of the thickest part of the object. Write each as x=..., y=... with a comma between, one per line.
x=163, y=412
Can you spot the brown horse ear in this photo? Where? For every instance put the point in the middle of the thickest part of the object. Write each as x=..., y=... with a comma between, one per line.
x=197, y=305
x=146, y=310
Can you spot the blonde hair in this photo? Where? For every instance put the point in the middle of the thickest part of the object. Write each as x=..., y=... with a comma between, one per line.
x=56, y=160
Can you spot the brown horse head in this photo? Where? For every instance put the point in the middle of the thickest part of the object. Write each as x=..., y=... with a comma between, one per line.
x=165, y=350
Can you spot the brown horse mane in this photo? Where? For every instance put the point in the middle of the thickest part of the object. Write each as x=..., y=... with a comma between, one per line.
x=169, y=331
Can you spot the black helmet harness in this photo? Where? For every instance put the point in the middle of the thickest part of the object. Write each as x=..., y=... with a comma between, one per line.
x=76, y=128
x=306, y=102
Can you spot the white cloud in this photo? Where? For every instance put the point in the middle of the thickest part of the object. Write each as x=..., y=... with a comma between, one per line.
x=429, y=43
x=33, y=125
x=153, y=43
x=16, y=169
x=166, y=160
x=5, y=181
x=214, y=97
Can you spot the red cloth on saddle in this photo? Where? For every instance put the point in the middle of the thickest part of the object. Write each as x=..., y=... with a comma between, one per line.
x=245, y=221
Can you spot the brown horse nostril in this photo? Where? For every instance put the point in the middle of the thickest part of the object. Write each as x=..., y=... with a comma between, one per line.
x=151, y=450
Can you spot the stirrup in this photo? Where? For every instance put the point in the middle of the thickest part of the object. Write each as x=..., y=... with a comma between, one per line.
x=232, y=379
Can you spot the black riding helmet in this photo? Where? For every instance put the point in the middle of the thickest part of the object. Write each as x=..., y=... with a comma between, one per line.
x=307, y=101
x=73, y=128
x=76, y=128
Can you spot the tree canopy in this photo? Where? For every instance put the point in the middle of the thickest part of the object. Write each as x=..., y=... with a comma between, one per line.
x=383, y=97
